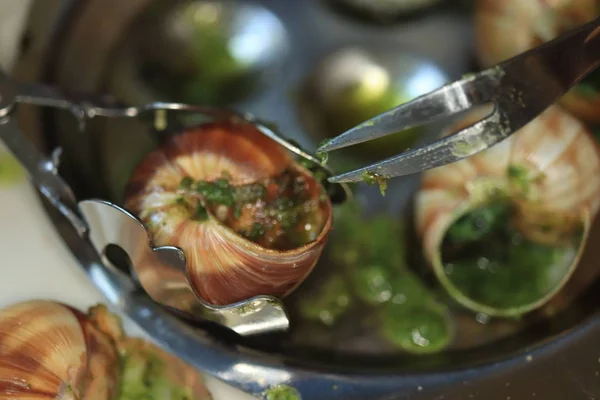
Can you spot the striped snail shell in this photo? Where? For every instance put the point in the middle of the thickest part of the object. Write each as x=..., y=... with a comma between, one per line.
x=52, y=351
x=249, y=218
x=506, y=28
x=549, y=173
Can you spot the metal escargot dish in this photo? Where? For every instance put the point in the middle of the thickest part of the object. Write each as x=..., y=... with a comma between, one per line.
x=250, y=219
x=505, y=29
x=49, y=350
x=504, y=230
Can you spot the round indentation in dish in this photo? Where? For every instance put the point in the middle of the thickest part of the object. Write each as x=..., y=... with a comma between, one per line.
x=382, y=10
x=210, y=52
x=353, y=84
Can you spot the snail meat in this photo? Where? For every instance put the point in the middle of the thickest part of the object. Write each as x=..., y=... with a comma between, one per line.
x=49, y=350
x=250, y=219
x=506, y=28
x=504, y=229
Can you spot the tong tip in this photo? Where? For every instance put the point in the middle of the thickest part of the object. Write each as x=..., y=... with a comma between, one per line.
x=355, y=176
x=330, y=145
x=355, y=135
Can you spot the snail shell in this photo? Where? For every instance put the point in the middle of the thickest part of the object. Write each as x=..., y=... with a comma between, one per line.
x=506, y=28
x=562, y=163
x=49, y=350
x=223, y=265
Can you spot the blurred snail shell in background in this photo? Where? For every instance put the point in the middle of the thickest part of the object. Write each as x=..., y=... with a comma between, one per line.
x=51, y=351
x=504, y=29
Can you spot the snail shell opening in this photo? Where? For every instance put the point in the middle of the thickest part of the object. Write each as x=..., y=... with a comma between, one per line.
x=250, y=219
x=504, y=229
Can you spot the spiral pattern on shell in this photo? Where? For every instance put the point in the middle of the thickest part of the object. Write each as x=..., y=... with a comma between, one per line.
x=507, y=28
x=224, y=266
x=51, y=351
x=556, y=155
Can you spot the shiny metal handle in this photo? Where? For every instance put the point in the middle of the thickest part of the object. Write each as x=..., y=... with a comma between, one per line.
x=42, y=170
x=81, y=105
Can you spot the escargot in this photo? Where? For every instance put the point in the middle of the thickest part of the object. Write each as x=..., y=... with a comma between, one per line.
x=250, y=219
x=506, y=28
x=504, y=229
x=49, y=350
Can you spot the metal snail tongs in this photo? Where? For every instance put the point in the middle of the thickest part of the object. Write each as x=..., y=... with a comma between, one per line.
x=104, y=223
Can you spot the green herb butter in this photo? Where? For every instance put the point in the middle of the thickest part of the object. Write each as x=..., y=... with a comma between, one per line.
x=282, y=392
